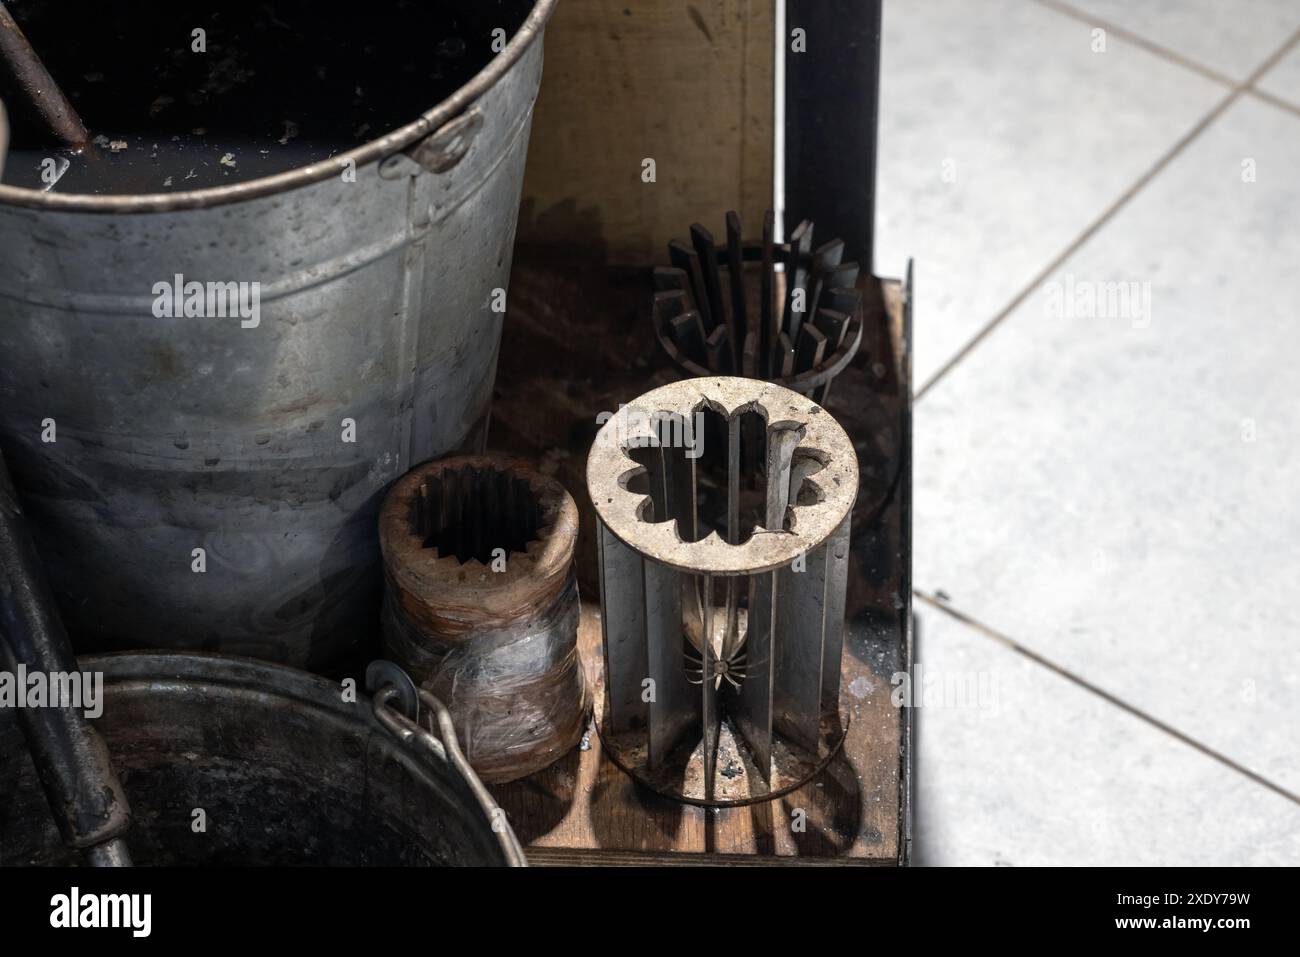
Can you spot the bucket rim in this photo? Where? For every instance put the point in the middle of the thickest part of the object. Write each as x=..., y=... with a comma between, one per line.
x=156, y=667
x=428, y=122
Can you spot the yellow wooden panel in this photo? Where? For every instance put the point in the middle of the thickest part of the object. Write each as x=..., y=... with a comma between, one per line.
x=686, y=84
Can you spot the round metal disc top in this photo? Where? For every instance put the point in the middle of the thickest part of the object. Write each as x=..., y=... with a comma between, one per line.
x=820, y=441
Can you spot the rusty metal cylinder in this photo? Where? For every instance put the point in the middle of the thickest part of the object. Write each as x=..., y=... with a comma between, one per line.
x=723, y=509
x=481, y=606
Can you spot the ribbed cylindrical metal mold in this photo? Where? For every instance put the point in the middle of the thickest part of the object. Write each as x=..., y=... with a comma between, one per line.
x=723, y=508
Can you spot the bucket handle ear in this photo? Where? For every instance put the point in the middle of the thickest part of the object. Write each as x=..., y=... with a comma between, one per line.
x=381, y=674
x=445, y=747
x=439, y=737
x=438, y=152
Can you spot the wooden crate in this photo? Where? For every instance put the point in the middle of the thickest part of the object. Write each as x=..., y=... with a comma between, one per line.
x=577, y=342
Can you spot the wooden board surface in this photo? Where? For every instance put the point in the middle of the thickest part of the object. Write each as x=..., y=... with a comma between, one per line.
x=850, y=811
x=577, y=343
x=686, y=84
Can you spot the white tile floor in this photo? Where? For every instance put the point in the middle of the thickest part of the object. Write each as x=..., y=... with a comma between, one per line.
x=1229, y=36
x=1108, y=428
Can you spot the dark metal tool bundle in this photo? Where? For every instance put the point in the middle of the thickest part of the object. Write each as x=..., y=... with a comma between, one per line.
x=787, y=312
x=71, y=759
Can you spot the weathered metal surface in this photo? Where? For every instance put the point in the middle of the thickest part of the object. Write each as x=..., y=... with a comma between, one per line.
x=285, y=767
x=802, y=346
x=44, y=96
x=228, y=435
x=482, y=606
x=749, y=561
x=830, y=104
x=440, y=740
x=585, y=809
x=522, y=44
x=83, y=792
x=609, y=469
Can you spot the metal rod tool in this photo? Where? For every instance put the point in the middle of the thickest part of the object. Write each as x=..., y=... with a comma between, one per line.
x=72, y=760
x=35, y=82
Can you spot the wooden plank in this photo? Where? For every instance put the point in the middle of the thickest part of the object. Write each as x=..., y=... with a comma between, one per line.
x=850, y=811
x=565, y=857
x=688, y=85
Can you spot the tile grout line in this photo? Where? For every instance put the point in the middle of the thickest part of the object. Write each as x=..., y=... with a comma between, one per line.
x=1247, y=85
x=1276, y=101
x=1138, y=40
x=1105, y=695
x=1089, y=231
x=1108, y=214
x=1235, y=91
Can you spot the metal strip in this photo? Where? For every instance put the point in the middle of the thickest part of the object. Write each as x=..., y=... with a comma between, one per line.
x=828, y=109
x=800, y=626
x=837, y=579
x=622, y=585
x=674, y=707
x=521, y=44
x=753, y=703
x=711, y=716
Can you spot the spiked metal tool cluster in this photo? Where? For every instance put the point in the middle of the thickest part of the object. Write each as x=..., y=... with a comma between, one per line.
x=784, y=312
x=723, y=508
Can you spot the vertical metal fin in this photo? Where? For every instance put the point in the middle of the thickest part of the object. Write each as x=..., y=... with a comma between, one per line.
x=783, y=361
x=710, y=714
x=707, y=253
x=669, y=277
x=675, y=705
x=753, y=703
x=688, y=335
x=670, y=304
x=837, y=579
x=828, y=256
x=810, y=348
x=833, y=325
x=800, y=630
x=679, y=467
x=781, y=444
x=736, y=273
x=683, y=257
x=796, y=273
x=733, y=479
x=622, y=586
x=749, y=358
x=718, y=349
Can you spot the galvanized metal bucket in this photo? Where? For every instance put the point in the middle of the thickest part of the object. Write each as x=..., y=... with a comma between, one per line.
x=238, y=762
x=213, y=483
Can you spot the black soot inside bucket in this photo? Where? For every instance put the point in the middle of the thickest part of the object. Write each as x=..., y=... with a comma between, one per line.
x=229, y=761
x=185, y=96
